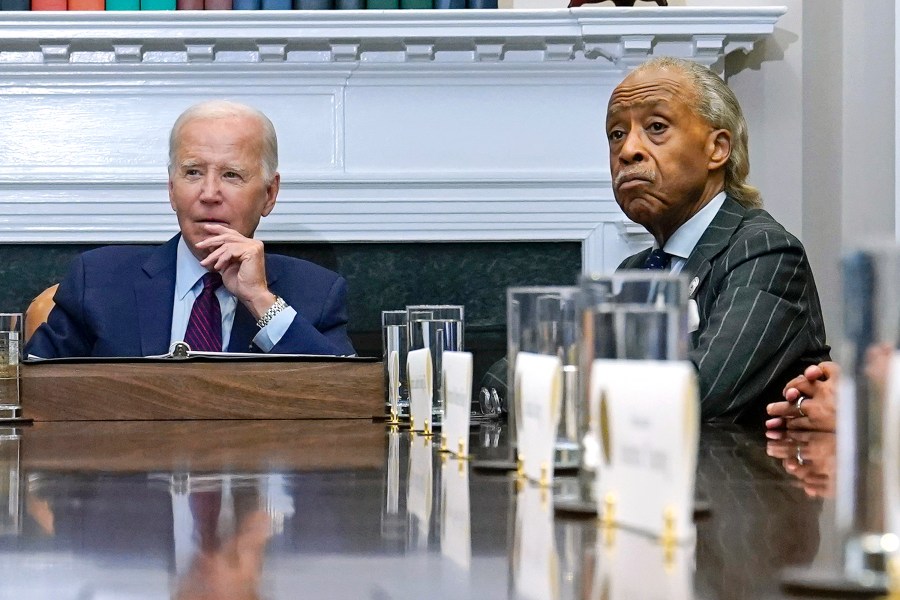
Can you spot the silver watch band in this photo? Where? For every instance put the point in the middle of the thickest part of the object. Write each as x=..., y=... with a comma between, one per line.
x=276, y=308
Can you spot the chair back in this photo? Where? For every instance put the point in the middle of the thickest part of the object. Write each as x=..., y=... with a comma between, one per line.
x=39, y=310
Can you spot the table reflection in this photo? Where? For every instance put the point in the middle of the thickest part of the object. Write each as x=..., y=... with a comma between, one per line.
x=809, y=456
x=354, y=510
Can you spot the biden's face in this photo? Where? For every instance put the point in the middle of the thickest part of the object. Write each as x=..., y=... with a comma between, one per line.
x=217, y=177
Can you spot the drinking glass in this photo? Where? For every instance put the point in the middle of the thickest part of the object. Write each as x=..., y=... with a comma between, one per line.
x=629, y=315
x=10, y=353
x=438, y=328
x=394, y=347
x=543, y=320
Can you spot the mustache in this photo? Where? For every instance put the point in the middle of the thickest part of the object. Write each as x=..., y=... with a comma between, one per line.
x=635, y=173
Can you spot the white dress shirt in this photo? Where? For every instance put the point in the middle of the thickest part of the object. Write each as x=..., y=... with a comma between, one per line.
x=681, y=243
x=188, y=285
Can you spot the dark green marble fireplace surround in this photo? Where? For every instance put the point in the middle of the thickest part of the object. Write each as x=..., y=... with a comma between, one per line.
x=381, y=276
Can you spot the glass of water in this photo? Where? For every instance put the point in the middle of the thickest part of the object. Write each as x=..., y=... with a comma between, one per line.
x=394, y=347
x=438, y=328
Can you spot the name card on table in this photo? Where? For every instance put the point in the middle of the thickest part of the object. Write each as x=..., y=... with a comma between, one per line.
x=419, y=493
x=538, y=380
x=535, y=558
x=421, y=384
x=394, y=385
x=457, y=380
x=632, y=565
x=648, y=428
x=456, y=537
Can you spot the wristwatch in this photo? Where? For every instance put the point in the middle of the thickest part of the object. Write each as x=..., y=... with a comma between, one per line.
x=276, y=308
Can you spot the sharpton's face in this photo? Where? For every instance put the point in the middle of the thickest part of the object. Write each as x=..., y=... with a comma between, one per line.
x=660, y=150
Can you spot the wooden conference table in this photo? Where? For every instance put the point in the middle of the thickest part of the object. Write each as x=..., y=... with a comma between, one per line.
x=348, y=508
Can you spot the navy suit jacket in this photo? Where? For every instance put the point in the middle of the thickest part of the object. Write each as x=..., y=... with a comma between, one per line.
x=117, y=301
x=760, y=319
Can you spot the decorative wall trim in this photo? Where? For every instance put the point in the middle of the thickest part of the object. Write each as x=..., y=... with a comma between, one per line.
x=393, y=126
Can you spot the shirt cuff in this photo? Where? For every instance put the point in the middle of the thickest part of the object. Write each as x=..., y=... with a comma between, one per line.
x=272, y=333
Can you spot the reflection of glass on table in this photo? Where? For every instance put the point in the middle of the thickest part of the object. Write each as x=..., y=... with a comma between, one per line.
x=10, y=350
x=10, y=487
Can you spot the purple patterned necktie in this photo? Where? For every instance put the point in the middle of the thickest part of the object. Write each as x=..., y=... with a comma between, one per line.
x=204, y=329
x=656, y=261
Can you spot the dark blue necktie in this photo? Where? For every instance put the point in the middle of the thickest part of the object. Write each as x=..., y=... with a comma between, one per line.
x=204, y=328
x=657, y=260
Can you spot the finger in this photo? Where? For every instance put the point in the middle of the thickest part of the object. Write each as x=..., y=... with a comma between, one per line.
x=776, y=436
x=800, y=423
x=793, y=383
x=830, y=369
x=781, y=409
x=779, y=451
x=774, y=423
x=814, y=373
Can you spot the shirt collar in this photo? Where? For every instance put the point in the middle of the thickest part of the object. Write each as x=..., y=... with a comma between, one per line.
x=188, y=270
x=682, y=242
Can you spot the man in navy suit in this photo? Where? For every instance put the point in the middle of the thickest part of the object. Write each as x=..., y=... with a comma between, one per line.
x=137, y=300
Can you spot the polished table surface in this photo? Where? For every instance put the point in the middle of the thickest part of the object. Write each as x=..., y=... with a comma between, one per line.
x=352, y=509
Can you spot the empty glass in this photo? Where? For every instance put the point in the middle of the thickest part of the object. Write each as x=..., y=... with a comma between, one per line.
x=543, y=320
x=394, y=347
x=438, y=328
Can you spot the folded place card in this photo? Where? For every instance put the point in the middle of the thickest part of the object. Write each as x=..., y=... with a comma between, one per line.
x=457, y=380
x=648, y=435
x=535, y=558
x=394, y=384
x=538, y=380
x=421, y=384
x=456, y=537
x=631, y=565
x=419, y=493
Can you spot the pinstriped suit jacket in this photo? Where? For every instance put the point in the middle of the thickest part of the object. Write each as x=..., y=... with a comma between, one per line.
x=760, y=319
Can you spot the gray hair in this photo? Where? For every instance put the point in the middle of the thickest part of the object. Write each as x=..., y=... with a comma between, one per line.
x=218, y=109
x=719, y=107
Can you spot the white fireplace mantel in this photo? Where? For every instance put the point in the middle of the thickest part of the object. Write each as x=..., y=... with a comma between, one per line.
x=393, y=125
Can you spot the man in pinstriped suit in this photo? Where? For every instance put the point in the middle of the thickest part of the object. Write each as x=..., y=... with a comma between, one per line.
x=679, y=162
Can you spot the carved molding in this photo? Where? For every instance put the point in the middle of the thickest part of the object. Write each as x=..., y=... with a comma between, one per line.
x=393, y=125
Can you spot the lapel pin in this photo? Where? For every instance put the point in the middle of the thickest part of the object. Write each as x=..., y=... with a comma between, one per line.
x=693, y=286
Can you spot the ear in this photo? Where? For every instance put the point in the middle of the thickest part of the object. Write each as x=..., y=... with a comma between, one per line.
x=172, y=195
x=718, y=146
x=271, y=194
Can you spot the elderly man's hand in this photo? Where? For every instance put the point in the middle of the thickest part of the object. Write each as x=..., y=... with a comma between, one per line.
x=241, y=262
x=810, y=400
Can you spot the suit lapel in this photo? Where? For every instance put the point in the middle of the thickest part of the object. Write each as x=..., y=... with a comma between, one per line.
x=712, y=243
x=154, y=294
x=244, y=329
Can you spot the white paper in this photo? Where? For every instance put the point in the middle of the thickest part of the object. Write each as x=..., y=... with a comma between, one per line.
x=648, y=437
x=539, y=378
x=457, y=378
x=394, y=383
x=418, y=369
x=419, y=493
x=535, y=558
x=456, y=536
